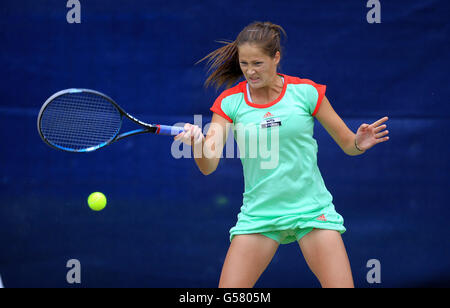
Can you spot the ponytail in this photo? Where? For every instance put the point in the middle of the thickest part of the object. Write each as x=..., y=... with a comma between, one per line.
x=224, y=64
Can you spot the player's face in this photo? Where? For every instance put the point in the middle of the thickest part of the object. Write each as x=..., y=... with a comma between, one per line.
x=258, y=68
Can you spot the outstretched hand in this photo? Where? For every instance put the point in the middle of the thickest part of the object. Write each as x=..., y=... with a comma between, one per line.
x=369, y=135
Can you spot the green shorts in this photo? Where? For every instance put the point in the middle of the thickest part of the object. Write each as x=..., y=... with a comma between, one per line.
x=289, y=228
x=286, y=236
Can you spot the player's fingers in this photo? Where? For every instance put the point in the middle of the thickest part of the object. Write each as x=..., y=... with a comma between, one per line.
x=182, y=135
x=380, y=128
x=199, y=136
x=364, y=126
x=382, y=139
x=382, y=134
x=193, y=133
x=187, y=134
x=197, y=131
x=379, y=122
x=190, y=134
x=198, y=139
x=179, y=136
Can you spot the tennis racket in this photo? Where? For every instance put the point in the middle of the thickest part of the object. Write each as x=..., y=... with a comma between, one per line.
x=83, y=120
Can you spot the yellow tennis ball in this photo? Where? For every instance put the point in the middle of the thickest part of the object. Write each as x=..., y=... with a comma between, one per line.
x=97, y=201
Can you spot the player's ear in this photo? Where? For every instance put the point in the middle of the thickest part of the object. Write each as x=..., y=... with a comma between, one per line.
x=277, y=57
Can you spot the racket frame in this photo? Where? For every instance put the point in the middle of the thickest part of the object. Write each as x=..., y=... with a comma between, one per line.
x=147, y=128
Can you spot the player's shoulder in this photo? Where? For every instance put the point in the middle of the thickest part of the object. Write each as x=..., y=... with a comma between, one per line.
x=298, y=80
x=229, y=101
x=237, y=89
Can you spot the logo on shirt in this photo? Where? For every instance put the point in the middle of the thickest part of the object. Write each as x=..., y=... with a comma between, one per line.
x=270, y=121
x=268, y=115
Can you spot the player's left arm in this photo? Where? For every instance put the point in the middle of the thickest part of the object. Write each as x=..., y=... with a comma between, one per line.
x=365, y=138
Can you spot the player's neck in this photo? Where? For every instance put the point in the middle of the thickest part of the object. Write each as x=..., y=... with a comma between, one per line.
x=268, y=93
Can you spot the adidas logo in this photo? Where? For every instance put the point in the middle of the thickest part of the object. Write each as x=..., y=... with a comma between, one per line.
x=321, y=218
x=268, y=115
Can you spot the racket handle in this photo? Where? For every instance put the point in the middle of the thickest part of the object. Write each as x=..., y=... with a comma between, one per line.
x=169, y=130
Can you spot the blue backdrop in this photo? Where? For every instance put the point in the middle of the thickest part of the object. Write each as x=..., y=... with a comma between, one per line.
x=166, y=225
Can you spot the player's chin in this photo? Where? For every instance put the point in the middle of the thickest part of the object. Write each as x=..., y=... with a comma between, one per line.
x=256, y=84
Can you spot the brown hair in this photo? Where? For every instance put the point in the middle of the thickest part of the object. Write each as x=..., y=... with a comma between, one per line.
x=224, y=61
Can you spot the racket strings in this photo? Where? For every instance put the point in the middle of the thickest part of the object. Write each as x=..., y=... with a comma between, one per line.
x=79, y=121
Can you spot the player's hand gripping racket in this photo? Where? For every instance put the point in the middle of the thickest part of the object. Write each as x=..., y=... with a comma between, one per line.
x=82, y=120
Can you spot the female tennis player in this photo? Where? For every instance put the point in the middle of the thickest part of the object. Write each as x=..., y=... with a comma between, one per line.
x=289, y=201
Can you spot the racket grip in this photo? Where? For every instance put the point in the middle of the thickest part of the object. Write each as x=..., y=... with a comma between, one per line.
x=169, y=130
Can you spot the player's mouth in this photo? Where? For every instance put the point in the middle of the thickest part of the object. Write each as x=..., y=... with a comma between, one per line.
x=254, y=79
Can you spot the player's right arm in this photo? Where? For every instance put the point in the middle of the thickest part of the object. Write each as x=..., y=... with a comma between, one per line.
x=207, y=150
